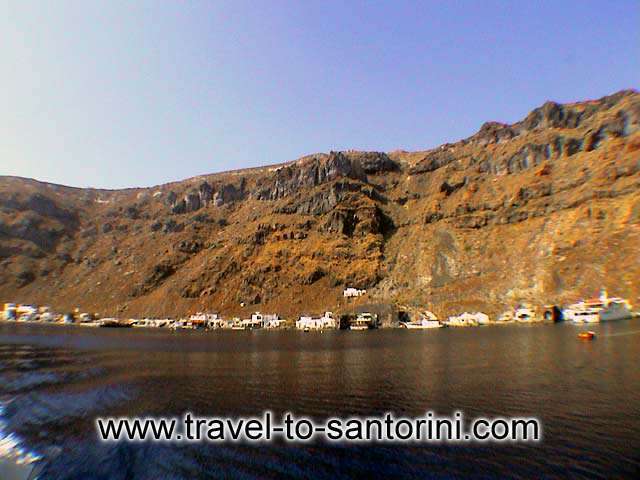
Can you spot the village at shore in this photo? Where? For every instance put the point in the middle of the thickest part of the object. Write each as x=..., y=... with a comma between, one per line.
x=594, y=310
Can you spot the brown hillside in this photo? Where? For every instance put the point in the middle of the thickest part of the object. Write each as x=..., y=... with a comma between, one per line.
x=544, y=210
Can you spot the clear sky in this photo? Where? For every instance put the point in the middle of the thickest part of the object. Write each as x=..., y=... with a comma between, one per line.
x=115, y=94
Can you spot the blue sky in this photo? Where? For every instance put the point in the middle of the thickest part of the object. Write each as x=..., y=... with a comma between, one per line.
x=115, y=94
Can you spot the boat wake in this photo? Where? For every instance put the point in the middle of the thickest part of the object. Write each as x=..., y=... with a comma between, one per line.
x=622, y=334
x=11, y=446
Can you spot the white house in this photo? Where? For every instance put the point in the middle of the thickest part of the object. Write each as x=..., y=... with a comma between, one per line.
x=353, y=292
x=326, y=322
x=467, y=319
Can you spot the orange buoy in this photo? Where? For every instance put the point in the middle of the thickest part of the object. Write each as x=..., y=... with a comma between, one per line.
x=587, y=335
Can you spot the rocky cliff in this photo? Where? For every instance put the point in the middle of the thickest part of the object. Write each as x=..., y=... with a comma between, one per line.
x=544, y=210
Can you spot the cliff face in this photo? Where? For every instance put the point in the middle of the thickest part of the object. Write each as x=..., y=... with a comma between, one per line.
x=544, y=210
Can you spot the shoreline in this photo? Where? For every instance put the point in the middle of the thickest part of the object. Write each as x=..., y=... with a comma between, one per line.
x=93, y=326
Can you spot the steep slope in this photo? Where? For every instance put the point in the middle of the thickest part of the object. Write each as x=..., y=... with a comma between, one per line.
x=544, y=210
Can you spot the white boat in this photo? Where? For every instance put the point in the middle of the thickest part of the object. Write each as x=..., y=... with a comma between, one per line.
x=358, y=326
x=590, y=315
x=113, y=323
x=580, y=313
x=617, y=309
x=602, y=308
x=422, y=324
x=92, y=324
x=428, y=319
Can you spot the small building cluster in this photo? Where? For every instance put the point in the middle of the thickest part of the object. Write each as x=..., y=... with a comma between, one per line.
x=602, y=308
x=19, y=312
x=213, y=321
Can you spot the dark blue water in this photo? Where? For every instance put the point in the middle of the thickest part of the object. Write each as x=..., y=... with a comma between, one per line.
x=55, y=380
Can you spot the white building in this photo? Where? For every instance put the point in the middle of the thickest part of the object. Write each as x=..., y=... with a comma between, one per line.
x=272, y=321
x=364, y=321
x=256, y=321
x=467, y=319
x=26, y=312
x=209, y=320
x=353, y=292
x=277, y=323
x=326, y=322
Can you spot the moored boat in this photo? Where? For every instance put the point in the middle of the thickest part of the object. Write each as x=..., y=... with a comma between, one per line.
x=579, y=313
x=422, y=324
x=93, y=324
x=427, y=320
x=113, y=323
x=617, y=309
x=357, y=327
x=603, y=308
